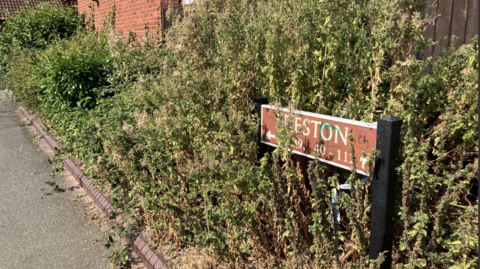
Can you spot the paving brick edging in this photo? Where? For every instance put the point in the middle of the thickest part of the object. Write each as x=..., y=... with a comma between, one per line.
x=151, y=259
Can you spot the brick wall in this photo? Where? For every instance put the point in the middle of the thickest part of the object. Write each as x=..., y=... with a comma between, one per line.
x=129, y=15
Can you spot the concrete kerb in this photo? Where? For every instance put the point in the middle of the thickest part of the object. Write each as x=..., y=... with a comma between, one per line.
x=140, y=245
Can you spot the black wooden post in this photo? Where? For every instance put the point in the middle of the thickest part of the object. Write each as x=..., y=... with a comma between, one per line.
x=384, y=183
x=259, y=100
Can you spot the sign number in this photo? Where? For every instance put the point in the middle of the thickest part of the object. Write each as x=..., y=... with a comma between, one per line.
x=320, y=149
x=299, y=142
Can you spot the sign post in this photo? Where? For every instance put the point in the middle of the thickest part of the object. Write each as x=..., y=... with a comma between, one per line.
x=384, y=183
x=324, y=138
x=259, y=100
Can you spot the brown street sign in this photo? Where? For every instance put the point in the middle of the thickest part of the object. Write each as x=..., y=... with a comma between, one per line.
x=324, y=135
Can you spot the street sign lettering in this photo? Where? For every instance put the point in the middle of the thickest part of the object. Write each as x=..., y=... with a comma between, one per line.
x=322, y=135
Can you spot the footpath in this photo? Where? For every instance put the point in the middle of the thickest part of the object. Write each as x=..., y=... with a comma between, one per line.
x=39, y=227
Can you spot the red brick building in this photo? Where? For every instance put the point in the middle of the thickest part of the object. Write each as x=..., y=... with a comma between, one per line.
x=130, y=15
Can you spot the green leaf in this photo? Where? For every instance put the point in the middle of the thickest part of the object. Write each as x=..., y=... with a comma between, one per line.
x=327, y=20
x=412, y=232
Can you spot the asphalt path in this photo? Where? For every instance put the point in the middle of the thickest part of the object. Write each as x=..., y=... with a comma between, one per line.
x=39, y=227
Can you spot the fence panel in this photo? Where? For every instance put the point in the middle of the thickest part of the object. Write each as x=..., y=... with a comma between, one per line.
x=454, y=17
x=472, y=20
x=442, y=25
x=430, y=31
x=459, y=22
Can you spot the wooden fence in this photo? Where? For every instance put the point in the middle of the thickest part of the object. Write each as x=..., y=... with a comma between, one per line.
x=457, y=18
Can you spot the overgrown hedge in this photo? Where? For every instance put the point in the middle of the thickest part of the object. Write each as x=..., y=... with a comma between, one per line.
x=32, y=28
x=173, y=140
x=71, y=72
x=24, y=36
